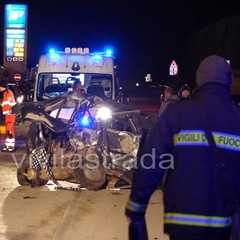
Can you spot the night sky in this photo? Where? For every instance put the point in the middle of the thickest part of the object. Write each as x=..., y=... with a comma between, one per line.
x=146, y=37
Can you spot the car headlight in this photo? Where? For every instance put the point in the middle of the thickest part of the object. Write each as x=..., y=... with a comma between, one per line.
x=104, y=113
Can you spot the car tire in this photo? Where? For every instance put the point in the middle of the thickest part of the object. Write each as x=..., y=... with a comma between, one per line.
x=23, y=180
x=88, y=170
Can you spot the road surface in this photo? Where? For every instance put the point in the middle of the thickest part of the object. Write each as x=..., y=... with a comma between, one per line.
x=44, y=213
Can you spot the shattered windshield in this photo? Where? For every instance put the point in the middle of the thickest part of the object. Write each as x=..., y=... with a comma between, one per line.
x=56, y=84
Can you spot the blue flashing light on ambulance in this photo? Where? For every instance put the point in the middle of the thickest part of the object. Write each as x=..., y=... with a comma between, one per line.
x=58, y=70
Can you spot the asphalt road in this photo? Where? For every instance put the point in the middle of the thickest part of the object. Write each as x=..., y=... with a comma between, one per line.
x=46, y=213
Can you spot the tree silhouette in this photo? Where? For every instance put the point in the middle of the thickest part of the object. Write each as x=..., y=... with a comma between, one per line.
x=220, y=37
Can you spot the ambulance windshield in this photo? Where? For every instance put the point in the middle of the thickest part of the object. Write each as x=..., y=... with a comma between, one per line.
x=56, y=84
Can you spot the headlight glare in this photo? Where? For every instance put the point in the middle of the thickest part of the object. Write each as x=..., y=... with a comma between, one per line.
x=103, y=113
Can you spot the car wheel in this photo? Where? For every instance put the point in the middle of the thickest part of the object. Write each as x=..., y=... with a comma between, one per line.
x=24, y=181
x=89, y=173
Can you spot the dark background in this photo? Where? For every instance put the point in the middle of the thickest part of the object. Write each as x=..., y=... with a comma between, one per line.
x=146, y=36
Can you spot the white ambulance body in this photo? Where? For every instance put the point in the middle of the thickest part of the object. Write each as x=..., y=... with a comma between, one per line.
x=57, y=72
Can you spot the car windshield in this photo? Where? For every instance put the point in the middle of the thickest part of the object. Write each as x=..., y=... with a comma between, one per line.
x=55, y=84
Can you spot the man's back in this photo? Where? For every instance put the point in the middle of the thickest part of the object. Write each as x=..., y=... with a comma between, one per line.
x=169, y=97
x=197, y=201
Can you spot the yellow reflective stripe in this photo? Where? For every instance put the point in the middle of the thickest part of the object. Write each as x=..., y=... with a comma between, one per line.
x=190, y=137
x=197, y=220
x=198, y=137
x=136, y=207
x=227, y=141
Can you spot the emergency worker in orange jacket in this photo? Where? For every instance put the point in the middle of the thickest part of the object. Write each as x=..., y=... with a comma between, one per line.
x=7, y=104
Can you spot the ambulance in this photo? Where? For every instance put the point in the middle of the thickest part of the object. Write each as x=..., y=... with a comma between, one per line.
x=57, y=71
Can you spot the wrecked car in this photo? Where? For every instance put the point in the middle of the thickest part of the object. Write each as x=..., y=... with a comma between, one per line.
x=81, y=139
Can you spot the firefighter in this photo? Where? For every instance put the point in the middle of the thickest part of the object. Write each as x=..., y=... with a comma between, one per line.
x=7, y=103
x=198, y=201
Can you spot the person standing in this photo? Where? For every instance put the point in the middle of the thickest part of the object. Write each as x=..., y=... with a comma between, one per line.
x=184, y=92
x=77, y=86
x=169, y=97
x=7, y=104
x=194, y=146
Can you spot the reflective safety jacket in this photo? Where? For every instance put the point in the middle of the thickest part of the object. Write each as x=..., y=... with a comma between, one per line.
x=197, y=201
x=7, y=104
x=8, y=101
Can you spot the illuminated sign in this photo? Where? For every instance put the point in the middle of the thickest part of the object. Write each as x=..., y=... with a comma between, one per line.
x=15, y=32
x=173, y=68
x=16, y=16
x=15, y=41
